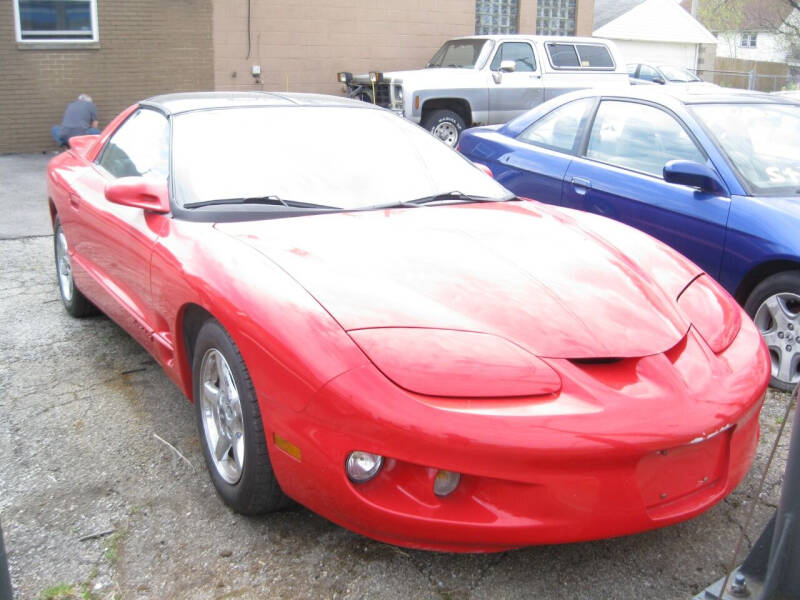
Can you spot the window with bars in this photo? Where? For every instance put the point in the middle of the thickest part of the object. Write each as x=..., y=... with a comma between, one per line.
x=56, y=20
x=555, y=17
x=496, y=16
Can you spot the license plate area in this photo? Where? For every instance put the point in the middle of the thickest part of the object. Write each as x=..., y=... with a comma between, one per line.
x=668, y=475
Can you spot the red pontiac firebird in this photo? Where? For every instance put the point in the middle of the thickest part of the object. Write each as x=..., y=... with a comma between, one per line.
x=372, y=326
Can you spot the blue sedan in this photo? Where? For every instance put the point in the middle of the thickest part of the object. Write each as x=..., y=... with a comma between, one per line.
x=713, y=173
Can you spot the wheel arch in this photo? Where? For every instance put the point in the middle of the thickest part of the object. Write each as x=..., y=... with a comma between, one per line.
x=53, y=212
x=759, y=273
x=459, y=106
x=190, y=319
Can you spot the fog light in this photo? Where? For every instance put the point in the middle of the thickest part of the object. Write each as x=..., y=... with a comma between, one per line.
x=363, y=466
x=445, y=482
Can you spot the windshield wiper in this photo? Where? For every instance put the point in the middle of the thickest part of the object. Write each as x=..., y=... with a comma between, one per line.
x=274, y=200
x=454, y=195
x=443, y=197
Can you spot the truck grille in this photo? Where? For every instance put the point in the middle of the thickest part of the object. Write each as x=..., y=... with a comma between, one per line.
x=382, y=96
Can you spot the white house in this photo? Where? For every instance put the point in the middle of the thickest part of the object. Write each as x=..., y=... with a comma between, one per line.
x=763, y=33
x=652, y=31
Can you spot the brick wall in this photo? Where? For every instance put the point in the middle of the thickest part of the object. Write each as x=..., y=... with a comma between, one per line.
x=302, y=44
x=145, y=47
x=584, y=17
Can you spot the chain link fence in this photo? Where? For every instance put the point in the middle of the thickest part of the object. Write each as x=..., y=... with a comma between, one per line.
x=750, y=80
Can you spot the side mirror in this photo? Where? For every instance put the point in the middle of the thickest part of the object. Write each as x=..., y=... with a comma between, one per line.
x=659, y=80
x=508, y=66
x=151, y=195
x=693, y=174
x=82, y=143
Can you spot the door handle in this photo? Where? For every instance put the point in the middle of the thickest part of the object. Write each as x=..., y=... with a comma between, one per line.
x=581, y=185
x=74, y=201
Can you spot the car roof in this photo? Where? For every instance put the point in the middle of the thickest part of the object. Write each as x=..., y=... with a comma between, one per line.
x=179, y=103
x=520, y=36
x=690, y=93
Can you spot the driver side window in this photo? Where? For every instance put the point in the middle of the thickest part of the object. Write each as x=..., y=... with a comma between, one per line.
x=559, y=130
x=648, y=73
x=140, y=147
x=520, y=52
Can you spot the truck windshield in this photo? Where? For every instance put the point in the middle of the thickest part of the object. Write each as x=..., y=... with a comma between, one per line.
x=460, y=54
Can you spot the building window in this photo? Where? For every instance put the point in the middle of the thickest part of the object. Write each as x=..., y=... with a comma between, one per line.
x=749, y=39
x=496, y=16
x=56, y=20
x=555, y=17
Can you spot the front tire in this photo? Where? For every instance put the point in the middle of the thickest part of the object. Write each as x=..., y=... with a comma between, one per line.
x=74, y=301
x=230, y=427
x=774, y=306
x=446, y=125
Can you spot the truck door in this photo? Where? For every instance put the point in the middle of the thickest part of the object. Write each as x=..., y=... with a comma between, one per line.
x=511, y=94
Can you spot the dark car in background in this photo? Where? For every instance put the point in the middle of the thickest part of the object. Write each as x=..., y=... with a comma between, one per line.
x=713, y=173
x=661, y=74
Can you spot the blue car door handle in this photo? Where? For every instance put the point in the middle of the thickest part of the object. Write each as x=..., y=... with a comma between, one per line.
x=581, y=185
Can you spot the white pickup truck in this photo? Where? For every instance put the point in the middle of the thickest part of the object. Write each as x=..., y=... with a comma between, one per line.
x=488, y=79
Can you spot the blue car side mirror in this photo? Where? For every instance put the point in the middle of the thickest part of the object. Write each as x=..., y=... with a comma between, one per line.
x=693, y=174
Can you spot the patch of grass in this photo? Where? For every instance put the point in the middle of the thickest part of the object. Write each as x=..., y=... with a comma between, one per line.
x=61, y=591
x=114, y=541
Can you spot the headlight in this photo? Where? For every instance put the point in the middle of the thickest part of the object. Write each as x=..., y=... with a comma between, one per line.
x=344, y=77
x=375, y=77
x=456, y=364
x=362, y=466
x=712, y=311
x=398, y=95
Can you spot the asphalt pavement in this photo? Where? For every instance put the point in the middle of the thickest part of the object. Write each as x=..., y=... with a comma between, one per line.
x=92, y=499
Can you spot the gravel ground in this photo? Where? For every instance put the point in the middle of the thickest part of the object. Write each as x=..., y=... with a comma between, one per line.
x=82, y=405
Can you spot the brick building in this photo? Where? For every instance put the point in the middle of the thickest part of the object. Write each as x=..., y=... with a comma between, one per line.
x=119, y=51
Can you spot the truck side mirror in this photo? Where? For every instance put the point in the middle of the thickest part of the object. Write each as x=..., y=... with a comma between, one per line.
x=508, y=66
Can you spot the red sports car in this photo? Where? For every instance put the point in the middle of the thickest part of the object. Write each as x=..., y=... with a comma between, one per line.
x=369, y=324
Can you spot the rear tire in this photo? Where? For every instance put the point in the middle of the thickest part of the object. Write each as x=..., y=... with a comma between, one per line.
x=774, y=306
x=446, y=125
x=230, y=427
x=74, y=301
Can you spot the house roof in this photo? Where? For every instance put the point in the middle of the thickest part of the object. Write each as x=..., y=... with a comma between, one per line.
x=757, y=15
x=606, y=11
x=648, y=20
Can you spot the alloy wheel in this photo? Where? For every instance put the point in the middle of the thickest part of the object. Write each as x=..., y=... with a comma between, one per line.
x=223, y=425
x=778, y=320
x=64, y=267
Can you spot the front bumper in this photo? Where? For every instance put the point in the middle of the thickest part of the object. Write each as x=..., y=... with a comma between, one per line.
x=622, y=448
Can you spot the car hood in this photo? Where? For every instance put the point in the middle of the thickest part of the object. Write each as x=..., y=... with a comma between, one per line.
x=531, y=274
x=422, y=77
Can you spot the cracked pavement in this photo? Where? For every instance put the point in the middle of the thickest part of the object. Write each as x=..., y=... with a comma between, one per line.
x=81, y=402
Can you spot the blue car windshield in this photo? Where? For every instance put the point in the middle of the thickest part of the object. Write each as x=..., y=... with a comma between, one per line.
x=761, y=140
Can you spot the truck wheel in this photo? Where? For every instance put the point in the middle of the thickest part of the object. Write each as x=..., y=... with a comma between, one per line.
x=445, y=125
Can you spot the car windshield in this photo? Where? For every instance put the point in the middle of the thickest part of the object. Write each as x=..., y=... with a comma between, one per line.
x=339, y=157
x=462, y=54
x=678, y=74
x=761, y=140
